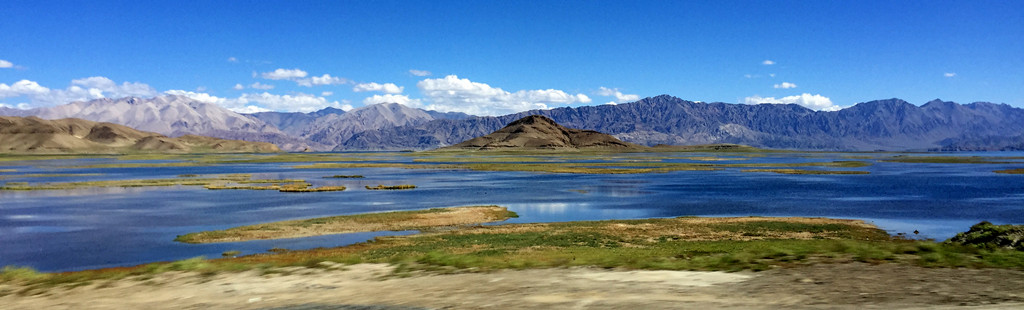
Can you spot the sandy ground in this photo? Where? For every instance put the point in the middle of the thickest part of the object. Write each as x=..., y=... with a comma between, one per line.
x=366, y=286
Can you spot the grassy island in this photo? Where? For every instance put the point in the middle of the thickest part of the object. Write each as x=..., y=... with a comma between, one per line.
x=395, y=221
x=804, y=171
x=392, y=187
x=1011, y=171
x=184, y=181
x=295, y=187
x=951, y=159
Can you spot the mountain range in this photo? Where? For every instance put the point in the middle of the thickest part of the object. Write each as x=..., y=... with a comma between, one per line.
x=890, y=124
x=72, y=135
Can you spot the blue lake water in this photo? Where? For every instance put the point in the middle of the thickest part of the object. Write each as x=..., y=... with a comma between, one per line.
x=106, y=227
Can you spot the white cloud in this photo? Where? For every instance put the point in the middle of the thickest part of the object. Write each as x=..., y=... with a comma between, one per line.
x=261, y=86
x=771, y=74
x=813, y=102
x=284, y=74
x=197, y=96
x=389, y=88
x=419, y=72
x=325, y=79
x=101, y=87
x=785, y=85
x=391, y=98
x=232, y=59
x=327, y=93
x=6, y=64
x=767, y=62
x=238, y=87
x=749, y=76
x=291, y=103
x=452, y=94
x=260, y=102
x=22, y=88
x=949, y=74
x=619, y=96
x=299, y=76
x=611, y=103
x=80, y=89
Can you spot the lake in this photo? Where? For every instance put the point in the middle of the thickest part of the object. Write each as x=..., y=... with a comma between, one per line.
x=63, y=230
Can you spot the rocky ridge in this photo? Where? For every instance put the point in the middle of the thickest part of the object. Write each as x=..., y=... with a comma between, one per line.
x=540, y=132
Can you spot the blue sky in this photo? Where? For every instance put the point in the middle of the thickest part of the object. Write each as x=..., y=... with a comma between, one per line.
x=498, y=57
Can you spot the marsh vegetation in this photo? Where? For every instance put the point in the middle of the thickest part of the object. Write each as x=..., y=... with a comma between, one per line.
x=212, y=181
x=804, y=171
x=395, y=221
x=689, y=243
x=922, y=159
x=1011, y=171
x=390, y=187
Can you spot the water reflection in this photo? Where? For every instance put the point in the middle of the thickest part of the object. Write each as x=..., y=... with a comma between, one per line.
x=544, y=208
x=90, y=191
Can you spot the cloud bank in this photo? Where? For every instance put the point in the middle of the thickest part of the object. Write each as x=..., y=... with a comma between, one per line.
x=284, y=74
x=89, y=88
x=813, y=102
x=299, y=77
x=262, y=102
x=389, y=88
x=391, y=98
x=452, y=94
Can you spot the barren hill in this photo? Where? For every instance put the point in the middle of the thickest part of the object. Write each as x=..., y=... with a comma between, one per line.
x=540, y=132
x=73, y=135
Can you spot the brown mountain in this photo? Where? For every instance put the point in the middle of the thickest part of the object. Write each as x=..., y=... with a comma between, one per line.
x=540, y=132
x=73, y=135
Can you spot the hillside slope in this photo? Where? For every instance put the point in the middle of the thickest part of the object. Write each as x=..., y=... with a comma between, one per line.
x=72, y=135
x=539, y=132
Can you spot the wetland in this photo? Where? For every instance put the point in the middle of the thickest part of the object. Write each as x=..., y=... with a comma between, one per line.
x=63, y=213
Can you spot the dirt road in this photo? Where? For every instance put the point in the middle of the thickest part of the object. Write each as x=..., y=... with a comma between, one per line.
x=366, y=286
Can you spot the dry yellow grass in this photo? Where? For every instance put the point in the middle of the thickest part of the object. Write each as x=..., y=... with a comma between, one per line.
x=395, y=221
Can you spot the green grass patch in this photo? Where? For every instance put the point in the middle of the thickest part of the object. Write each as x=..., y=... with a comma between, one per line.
x=686, y=243
x=988, y=236
x=676, y=244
